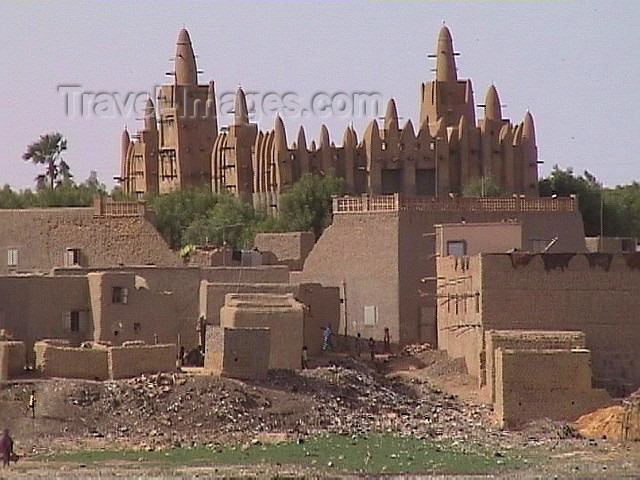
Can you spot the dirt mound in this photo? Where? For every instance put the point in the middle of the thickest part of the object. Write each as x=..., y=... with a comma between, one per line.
x=619, y=422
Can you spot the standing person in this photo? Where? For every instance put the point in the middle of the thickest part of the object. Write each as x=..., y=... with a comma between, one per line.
x=181, y=356
x=6, y=448
x=327, y=342
x=358, y=345
x=32, y=403
x=387, y=341
x=372, y=349
x=202, y=331
x=305, y=357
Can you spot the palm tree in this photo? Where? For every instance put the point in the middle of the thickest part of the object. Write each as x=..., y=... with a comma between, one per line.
x=47, y=150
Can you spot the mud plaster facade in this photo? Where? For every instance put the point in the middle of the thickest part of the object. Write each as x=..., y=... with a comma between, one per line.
x=321, y=305
x=378, y=250
x=181, y=285
x=290, y=248
x=282, y=314
x=474, y=238
x=37, y=240
x=536, y=384
x=238, y=352
x=598, y=294
x=180, y=145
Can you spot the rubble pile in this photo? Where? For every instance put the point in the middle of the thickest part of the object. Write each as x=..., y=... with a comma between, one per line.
x=179, y=410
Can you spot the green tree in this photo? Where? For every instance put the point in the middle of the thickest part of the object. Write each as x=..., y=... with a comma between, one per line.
x=177, y=210
x=486, y=186
x=307, y=205
x=230, y=221
x=564, y=183
x=10, y=199
x=47, y=150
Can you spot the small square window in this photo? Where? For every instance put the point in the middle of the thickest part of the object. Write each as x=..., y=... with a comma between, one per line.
x=456, y=248
x=12, y=257
x=72, y=257
x=119, y=295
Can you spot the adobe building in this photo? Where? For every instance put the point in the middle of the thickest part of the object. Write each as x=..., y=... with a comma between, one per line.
x=597, y=294
x=322, y=304
x=112, y=307
x=381, y=250
x=180, y=145
x=145, y=304
x=107, y=234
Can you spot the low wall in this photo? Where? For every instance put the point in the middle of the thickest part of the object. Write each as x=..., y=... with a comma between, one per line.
x=54, y=359
x=523, y=340
x=282, y=314
x=238, y=352
x=133, y=360
x=13, y=356
x=537, y=384
x=58, y=360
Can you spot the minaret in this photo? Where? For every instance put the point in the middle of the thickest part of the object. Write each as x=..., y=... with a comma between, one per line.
x=124, y=148
x=241, y=112
x=150, y=116
x=185, y=60
x=212, y=108
x=391, y=114
x=280, y=142
x=493, y=109
x=303, y=153
x=529, y=156
x=445, y=61
x=446, y=97
x=529, y=129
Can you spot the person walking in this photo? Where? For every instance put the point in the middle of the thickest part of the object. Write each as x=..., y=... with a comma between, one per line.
x=32, y=403
x=327, y=339
x=6, y=448
x=305, y=357
x=358, y=345
x=387, y=341
x=372, y=349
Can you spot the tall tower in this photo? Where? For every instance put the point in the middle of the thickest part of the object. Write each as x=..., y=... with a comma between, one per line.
x=446, y=97
x=231, y=162
x=188, y=124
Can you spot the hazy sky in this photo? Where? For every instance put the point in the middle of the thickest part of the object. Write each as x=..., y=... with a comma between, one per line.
x=574, y=64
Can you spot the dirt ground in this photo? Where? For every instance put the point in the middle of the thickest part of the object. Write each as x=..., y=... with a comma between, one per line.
x=420, y=394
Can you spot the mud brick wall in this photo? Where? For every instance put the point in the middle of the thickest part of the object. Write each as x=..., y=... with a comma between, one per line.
x=280, y=313
x=134, y=360
x=290, y=248
x=537, y=384
x=69, y=362
x=33, y=308
x=460, y=320
x=596, y=294
x=238, y=352
x=523, y=340
x=13, y=356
